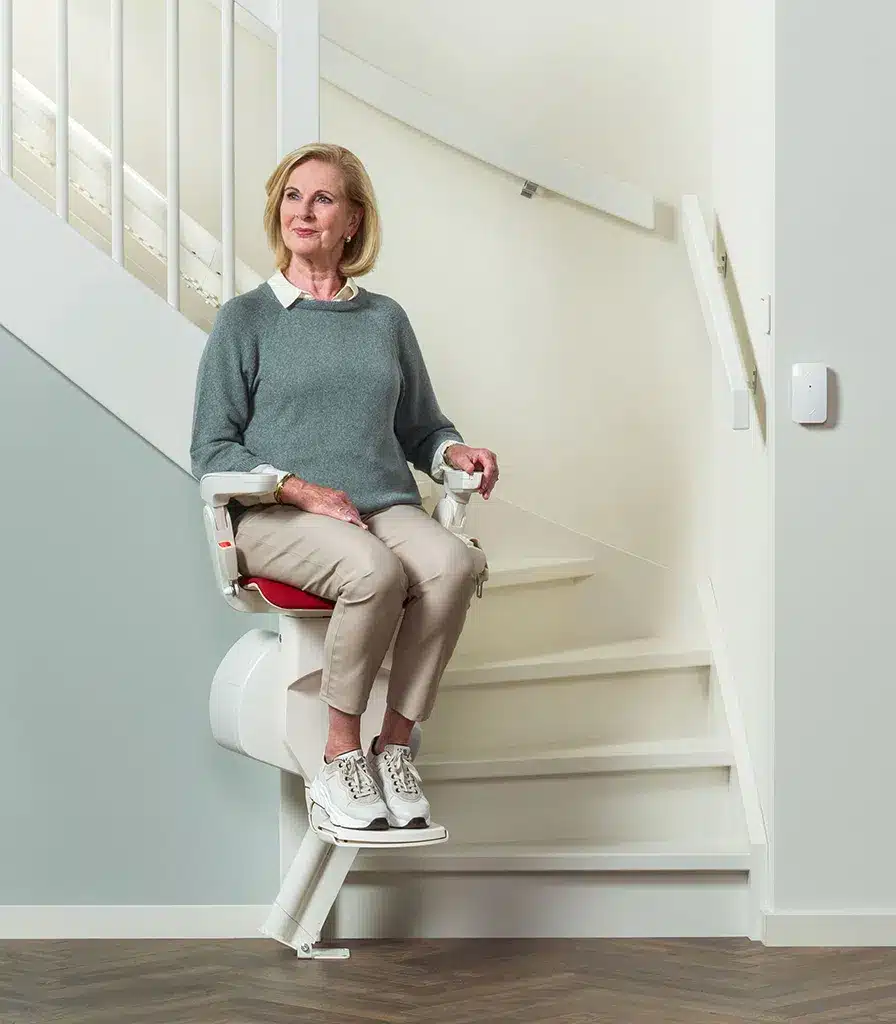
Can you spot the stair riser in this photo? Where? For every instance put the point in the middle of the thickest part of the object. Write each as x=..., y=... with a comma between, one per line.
x=690, y=806
x=518, y=622
x=673, y=905
x=503, y=719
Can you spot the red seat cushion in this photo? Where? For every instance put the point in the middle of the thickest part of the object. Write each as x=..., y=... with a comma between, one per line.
x=282, y=595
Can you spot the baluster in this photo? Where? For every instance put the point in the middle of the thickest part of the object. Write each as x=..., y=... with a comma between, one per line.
x=298, y=75
x=228, y=155
x=62, y=90
x=6, y=85
x=173, y=131
x=117, y=131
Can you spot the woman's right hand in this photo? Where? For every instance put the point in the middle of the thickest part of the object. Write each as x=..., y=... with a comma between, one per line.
x=320, y=500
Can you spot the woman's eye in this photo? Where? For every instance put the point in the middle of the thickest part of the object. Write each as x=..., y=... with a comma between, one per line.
x=324, y=199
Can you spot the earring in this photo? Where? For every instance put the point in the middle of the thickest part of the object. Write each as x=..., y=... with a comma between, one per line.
x=348, y=239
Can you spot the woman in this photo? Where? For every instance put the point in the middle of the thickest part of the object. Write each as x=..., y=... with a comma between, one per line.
x=322, y=382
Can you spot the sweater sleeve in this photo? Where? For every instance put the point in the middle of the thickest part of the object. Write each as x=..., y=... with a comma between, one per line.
x=223, y=401
x=420, y=425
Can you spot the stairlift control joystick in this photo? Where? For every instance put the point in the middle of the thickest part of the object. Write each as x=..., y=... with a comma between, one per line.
x=451, y=510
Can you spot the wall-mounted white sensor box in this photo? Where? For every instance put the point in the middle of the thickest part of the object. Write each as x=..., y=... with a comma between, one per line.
x=809, y=393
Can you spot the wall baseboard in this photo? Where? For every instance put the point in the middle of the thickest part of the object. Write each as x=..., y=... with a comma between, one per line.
x=239, y=921
x=823, y=928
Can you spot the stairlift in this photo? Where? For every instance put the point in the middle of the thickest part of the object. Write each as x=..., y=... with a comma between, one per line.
x=265, y=704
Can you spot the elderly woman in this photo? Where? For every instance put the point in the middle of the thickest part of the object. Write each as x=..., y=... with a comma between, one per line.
x=318, y=380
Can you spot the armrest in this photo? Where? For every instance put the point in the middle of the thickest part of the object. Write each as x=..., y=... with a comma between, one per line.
x=216, y=489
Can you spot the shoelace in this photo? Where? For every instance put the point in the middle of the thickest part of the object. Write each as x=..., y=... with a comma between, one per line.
x=356, y=775
x=401, y=769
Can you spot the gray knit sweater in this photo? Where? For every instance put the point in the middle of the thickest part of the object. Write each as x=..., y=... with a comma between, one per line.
x=335, y=392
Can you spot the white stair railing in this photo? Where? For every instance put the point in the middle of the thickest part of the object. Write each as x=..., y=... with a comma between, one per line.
x=62, y=91
x=172, y=124
x=302, y=57
x=117, y=131
x=6, y=86
x=99, y=174
x=144, y=210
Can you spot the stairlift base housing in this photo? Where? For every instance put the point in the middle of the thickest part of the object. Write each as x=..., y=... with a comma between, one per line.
x=265, y=704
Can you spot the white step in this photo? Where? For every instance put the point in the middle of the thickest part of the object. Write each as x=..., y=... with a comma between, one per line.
x=585, y=699
x=627, y=757
x=560, y=857
x=608, y=659
x=686, y=805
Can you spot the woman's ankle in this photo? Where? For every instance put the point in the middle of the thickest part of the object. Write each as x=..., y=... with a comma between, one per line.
x=332, y=751
x=343, y=735
x=396, y=729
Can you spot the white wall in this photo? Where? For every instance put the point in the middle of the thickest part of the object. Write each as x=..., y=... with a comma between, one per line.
x=569, y=342
x=743, y=196
x=835, y=487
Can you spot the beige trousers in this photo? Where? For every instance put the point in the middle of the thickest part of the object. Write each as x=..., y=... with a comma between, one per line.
x=407, y=568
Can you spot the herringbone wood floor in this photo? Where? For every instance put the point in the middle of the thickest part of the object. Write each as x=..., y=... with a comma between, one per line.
x=446, y=982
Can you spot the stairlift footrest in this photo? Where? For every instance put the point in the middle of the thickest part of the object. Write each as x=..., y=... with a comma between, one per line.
x=391, y=839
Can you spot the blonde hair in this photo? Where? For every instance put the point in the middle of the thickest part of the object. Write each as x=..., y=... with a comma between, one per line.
x=360, y=254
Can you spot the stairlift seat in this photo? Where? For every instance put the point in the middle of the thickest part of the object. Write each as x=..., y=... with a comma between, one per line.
x=284, y=597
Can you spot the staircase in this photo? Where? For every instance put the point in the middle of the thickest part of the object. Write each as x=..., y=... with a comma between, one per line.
x=581, y=751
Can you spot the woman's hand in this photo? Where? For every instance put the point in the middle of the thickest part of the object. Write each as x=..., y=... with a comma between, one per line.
x=474, y=460
x=320, y=500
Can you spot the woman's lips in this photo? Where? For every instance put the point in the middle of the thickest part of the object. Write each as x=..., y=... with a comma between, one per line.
x=304, y=232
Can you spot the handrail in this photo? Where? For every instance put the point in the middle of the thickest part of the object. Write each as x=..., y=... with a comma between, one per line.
x=716, y=311
x=463, y=130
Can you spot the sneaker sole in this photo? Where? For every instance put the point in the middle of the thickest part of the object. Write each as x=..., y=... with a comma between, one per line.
x=413, y=823
x=341, y=820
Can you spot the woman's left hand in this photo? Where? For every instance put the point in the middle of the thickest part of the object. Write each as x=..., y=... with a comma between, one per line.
x=475, y=460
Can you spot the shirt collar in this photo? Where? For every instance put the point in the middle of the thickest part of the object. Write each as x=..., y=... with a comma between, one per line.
x=287, y=293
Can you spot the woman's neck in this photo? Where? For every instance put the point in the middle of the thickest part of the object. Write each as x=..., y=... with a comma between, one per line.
x=320, y=282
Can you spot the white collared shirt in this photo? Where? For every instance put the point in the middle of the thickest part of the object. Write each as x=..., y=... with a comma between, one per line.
x=286, y=294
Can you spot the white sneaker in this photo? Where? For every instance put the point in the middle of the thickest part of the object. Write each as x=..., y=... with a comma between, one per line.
x=399, y=782
x=346, y=790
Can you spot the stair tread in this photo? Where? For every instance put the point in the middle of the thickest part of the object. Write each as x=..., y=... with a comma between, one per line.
x=690, y=752
x=568, y=855
x=523, y=569
x=649, y=654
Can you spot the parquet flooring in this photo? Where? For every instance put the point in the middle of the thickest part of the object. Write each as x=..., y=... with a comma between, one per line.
x=445, y=982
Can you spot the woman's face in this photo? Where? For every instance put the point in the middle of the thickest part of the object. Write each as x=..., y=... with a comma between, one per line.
x=315, y=215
